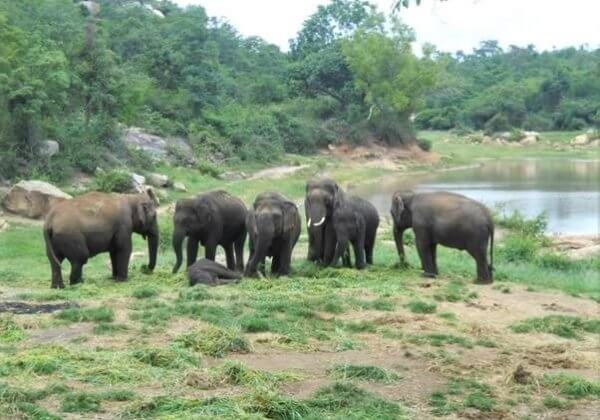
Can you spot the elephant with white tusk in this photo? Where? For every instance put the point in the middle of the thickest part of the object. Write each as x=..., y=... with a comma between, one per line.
x=318, y=203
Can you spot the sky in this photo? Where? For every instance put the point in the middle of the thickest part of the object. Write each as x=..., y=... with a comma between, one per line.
x=451, y=25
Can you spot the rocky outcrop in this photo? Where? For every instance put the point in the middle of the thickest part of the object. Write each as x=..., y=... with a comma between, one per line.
x=580, y=140
x=158, y=180
x=159, y=148
x=49, y=148
x=180, y=186
x=33, y=199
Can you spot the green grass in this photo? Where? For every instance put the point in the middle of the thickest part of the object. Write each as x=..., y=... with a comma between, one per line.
x=363, y=372
x=459, y=394
x=441, y=339
x=572, y=386
x=10, y=331
x=101, y=314
x=145, y=292
x=421, y=307
x=560, y=325
x=216, y=342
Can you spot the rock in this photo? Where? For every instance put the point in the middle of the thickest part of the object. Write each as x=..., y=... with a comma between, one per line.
x=532, y=134
x=33, y=199
x=529, y=140
x=158, y=180
x=157, y=147
x=504, y=135
x=585, y=253
x=331, y=147
x=179, y=186
x=90, y=7
x=138, y=181
x=49, y=148
x=156, y=12
x=595, y=143
x=487, y=140
x=232, y=176
x=580, y=140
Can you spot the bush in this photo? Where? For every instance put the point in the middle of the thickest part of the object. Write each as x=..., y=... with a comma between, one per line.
x=497, y=123
x=208, y=168
x=424, y=144
x=114, y=181
x=518, y=248
x=538, y=123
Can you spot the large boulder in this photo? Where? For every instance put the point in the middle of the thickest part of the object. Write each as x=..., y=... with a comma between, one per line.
x=580, y=140
x=49, y=148
x=157, y=147
x=158, y=180
x=529, y=140
x=90, y=7
x=33, y=199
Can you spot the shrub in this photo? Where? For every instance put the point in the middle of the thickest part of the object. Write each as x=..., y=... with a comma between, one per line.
x=424, y=144
x=517, y=222
x=207, y=168
x=497, y=123
x=114, y=181
x=519, y=248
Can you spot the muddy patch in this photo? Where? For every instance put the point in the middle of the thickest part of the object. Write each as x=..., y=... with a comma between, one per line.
x=22, y=308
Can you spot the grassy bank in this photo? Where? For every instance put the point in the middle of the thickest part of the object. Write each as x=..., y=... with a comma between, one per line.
x=322, y=343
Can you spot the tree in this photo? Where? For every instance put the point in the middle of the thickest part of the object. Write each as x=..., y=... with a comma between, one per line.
x=392, y=77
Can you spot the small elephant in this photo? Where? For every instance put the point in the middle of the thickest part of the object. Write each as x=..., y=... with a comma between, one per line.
x=355, y=220
x=448, y=219
x=273, y=226
x=211, y=273
x=318, y=203
x=214, y=218
x=93, y=223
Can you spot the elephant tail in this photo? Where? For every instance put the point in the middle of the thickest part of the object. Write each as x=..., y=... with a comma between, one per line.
x=492, y=248
x=49, y=247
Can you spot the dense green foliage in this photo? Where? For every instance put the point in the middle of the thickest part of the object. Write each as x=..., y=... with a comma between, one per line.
x=496, y=89
x=78, y=75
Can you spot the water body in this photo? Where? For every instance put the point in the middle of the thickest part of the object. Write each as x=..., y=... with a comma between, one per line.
x=567, y=191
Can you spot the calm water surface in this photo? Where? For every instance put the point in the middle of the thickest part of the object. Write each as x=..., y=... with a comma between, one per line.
x=568, y=191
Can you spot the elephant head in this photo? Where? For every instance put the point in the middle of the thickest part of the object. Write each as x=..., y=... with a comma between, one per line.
x=273, y=216
x=321, y=195
x=401, y=209
x=144, y=221
x=192, y=217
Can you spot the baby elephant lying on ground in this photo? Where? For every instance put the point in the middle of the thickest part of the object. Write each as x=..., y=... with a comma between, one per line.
x=208, y=272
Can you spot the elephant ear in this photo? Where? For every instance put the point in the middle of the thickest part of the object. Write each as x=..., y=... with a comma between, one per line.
x=152, y=195
x=290, y=215
x=397, y=206
x=203, y=212
x=251, y=223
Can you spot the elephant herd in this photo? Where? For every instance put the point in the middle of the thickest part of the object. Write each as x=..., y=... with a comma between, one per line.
x=93, y=223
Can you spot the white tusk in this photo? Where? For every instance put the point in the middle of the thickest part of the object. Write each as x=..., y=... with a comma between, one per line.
x=320, y=222
x=309, y=222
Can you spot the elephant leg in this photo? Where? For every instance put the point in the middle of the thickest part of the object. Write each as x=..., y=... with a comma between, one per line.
x=479, y=254
x=284, y=259
x=76, y=272
x=229, y=256
x=210, y=251
x=55, y=266
x=329, y=245
x=433, y=249
x=192, y=251
x=398, y=234
x=359, y=253
x=113, y=263
x=239, y=253
x=369, y=245
x=424, y=248
x=275, y=265
x=340, y=250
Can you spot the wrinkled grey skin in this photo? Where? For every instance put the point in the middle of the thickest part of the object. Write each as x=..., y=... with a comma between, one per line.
x=355, y=221
x=318, y=203
x=211, y=273
x=93, y=223
x=448, y=219
x=273, y=226
x=211, y=219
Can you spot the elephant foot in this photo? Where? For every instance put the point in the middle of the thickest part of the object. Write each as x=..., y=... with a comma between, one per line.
x=120, y=279
x=428, y=275
x=483, y=281
x=60, y=285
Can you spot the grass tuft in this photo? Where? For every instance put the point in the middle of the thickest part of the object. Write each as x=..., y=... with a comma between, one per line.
x=363, y=372
x=10, y=331
x=421, y=307
x=214, y=341
x=561, y=325
x=573, y=386
x=87, y=315
x=145, y=292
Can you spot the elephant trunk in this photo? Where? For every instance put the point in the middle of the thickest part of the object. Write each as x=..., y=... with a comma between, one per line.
x=153, y=238
x=263, y=238
x=317, y=218
x=179, y=235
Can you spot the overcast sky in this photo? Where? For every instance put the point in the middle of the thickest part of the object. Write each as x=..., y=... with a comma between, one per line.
x=452, y=25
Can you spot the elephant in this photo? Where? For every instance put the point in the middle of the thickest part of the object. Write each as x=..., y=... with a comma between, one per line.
x=448, y=219
x=318, y=203
x=213, y=218
x=273, y=226
x=211, y=273
x=355, y=221
x=95, y=222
